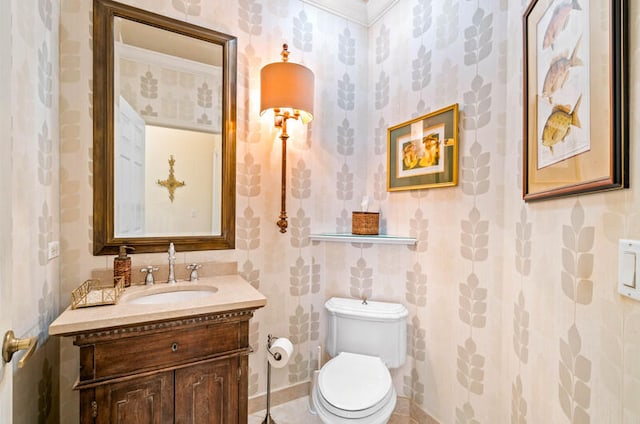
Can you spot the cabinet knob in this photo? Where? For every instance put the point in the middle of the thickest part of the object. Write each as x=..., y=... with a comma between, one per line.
x=94, y=409
x=174, y=347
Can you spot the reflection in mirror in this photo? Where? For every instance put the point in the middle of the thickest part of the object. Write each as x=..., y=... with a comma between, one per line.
x=164, y=147
x=146, y=207
x=167, y=105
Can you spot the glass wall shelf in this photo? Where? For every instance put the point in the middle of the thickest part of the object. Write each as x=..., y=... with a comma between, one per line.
x=353, y=238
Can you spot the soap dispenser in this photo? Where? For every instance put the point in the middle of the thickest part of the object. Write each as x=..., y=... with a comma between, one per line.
x=122, y=265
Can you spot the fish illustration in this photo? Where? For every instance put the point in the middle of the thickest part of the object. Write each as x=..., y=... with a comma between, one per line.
x=559, y=21
x=559, y=72
x=559, y=123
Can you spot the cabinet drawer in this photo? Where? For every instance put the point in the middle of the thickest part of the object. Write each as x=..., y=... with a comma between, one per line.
x=173, y=347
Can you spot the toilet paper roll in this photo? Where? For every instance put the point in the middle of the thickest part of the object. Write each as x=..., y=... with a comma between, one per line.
x=284, y=348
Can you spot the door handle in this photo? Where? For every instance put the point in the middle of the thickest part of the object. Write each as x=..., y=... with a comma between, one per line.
x=11, y=345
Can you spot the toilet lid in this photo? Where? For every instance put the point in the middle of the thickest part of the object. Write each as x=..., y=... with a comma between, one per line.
x=354, y=382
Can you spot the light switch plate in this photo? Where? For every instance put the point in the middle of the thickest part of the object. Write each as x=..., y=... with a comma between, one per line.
x=629, y=268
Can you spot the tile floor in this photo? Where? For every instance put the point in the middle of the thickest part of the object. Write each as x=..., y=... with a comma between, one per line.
x=297, y=412
x=292, y=412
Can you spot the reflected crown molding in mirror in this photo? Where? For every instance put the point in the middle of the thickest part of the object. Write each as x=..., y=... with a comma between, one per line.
x=206, y=60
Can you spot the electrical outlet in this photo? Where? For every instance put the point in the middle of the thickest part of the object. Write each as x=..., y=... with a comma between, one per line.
x=53, y=250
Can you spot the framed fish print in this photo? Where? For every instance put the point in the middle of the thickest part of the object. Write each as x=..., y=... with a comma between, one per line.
x=575, y=121
x=423, y=152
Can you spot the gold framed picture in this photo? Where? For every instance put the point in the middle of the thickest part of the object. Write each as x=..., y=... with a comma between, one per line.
x=575, y=124
x=423, y=152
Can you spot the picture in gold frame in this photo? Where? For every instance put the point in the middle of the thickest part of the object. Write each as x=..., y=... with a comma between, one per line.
x=423, y=152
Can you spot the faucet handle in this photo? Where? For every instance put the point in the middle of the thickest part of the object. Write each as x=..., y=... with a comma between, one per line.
x=148, y=279
x=194, y=271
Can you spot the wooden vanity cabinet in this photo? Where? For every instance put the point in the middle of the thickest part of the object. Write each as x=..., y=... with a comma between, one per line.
x=184, y=371
x=142, y=400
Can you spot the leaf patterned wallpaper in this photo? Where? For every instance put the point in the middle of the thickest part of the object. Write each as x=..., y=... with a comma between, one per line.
x=170, y=92
x=513, y=311
x=31, y=210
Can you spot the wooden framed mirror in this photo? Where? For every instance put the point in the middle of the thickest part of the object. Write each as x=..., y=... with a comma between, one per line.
x=164, y=120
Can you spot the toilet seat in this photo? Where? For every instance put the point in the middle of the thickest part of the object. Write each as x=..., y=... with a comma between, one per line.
x=353, y=386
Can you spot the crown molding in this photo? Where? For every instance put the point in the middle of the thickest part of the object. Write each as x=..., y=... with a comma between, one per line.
x=363, y=12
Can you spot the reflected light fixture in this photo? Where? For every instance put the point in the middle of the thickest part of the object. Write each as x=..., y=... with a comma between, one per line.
x=286, y=89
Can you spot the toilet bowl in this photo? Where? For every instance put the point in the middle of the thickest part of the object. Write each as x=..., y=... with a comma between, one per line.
x=365, y=339
x=354, y=388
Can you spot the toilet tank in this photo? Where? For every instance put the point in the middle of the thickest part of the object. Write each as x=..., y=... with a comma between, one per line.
x=375, y=329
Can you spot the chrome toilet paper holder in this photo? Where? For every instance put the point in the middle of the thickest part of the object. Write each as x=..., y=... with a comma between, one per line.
x=270, y=340
x=277, y=357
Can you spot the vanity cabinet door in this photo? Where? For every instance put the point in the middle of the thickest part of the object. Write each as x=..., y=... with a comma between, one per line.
x=185, y=371
x=140, y=400
x=208, y=393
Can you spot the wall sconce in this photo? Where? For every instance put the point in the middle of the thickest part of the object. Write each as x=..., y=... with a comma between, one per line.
x=287, y=89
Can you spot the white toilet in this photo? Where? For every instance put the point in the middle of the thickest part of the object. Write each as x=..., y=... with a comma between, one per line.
x=365, y=340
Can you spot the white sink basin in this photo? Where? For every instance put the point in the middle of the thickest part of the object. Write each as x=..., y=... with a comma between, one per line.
x=175, y=295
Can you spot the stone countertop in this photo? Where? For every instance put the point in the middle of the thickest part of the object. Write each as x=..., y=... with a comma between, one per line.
x=233, y=293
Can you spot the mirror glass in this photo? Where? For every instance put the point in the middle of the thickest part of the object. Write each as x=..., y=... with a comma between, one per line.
x=166, y=147
x=168, y=121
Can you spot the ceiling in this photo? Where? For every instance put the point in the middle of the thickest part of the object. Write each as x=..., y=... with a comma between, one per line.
x=364, y=12
x=170, y=43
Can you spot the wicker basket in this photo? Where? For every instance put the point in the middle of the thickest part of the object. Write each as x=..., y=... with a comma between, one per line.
x=365, y=223
x=95, y=293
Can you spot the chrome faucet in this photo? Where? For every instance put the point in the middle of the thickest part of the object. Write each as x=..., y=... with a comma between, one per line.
x=193, y=276
x=172, y=261
x=148, y=279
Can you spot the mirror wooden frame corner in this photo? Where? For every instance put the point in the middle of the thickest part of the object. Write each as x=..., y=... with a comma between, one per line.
x=104, y=240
